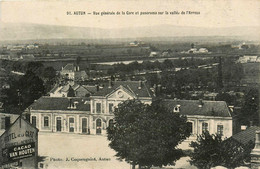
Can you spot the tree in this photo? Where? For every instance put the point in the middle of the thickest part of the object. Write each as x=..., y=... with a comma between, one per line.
x=167, y=64
x=49, y=77
x=24, y=90
x=250, y=109
x=224, y=97
x=147, y=135
x=129, y=51
x=35, y=67
x=49, y=73
x=78, y=60
x=211, y=150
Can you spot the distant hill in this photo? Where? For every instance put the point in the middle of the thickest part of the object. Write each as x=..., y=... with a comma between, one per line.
x=19, y=31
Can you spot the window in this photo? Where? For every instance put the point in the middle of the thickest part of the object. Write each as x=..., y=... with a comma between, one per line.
x=111, y=106
x=88, y=106
x=176, y=109
x=2, y=123
x=99, y=123
x=46, y=121
x=205, y=127
x=98, y=107
x=7, y=122
x=98, y=126
x=190, y=127
x=110, y=123
x=71, y=124
x=220, y=129
x=34, y=121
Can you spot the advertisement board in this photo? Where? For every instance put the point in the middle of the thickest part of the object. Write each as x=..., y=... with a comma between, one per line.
x=19, y=145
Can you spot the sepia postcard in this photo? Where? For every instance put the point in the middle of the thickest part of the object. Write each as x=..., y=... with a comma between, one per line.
x=129, y=84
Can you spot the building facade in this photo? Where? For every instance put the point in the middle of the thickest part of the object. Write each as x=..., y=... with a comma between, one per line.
x=72, y=72
x=93, y=114
x=87, y=115
x=202, y=115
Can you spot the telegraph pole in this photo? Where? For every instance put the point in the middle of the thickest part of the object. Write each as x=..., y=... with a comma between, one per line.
x=19, y=104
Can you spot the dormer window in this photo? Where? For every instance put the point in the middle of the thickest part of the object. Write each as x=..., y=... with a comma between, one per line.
x=176, y=109
x=73, y=105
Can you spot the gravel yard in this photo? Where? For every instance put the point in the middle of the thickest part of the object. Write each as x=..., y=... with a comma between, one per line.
x=59, y=150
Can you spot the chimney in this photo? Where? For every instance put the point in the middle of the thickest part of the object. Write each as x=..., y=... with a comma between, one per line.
x=251, y=123
x=177, y=108
x=159, y=89
x=75, y=68
x=70, y=105
x=200, y=102
x=97, y=88
x=78, y=68
x=243, y=127
x=231, y=108
x=140, y=84
x=109, y=83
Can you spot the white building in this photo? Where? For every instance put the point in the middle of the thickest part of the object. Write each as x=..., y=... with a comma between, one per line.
x=212, y=116
x=248, y=59
x=72, y=72
x=94, y=114
x=203, y=50
x=154, y=54
x=85, y=114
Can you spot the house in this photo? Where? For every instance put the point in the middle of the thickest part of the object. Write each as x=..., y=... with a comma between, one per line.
x=68, y=71
x=135, y=43
x=248, y=59
x=154, y=54
x=252, y=59
x=72, y=72
x=203, y=50
x=195, y=51
x=192, y=50
x=27, y=57
x=202, y=115
x=210, y=95
x=5, y=57
x=78, y=90
x=30, y=47
x=80, y=76
x=91, y=114
x=165, y=54
x=19, y=145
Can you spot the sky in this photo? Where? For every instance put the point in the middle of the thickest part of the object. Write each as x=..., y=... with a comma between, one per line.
x=213, y=13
